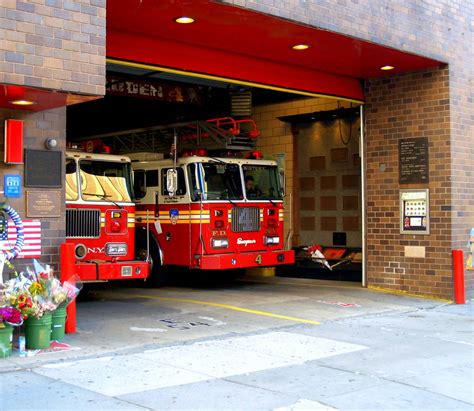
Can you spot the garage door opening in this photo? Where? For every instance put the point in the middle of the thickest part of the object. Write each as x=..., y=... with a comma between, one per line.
x=314, y=140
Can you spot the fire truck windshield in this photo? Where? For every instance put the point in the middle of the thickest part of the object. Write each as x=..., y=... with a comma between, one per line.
x=104, y=181
x=262, y=182
x=222, y=181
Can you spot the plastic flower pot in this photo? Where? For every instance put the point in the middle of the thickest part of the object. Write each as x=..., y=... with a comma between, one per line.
x=38, y=332
x=6, y=336
x=58, y=324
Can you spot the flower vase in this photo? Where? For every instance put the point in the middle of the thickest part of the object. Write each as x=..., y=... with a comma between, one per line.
x=6, y=337
x=38, y=332
x=58, y=324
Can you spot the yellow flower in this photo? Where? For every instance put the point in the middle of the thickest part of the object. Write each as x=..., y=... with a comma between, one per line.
x=36, y=288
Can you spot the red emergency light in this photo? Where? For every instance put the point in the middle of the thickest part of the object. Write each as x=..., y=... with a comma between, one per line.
x=13, y=153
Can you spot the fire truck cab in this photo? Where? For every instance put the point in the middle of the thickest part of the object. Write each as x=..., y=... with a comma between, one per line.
x=100, y=217
x=211, y=213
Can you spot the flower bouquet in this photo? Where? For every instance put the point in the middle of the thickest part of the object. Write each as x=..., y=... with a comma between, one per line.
x=36, y=294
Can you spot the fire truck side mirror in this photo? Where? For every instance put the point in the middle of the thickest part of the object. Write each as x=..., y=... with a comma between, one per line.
x=171, y=182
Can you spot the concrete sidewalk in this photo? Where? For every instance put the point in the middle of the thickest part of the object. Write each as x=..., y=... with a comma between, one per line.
x=264, y=344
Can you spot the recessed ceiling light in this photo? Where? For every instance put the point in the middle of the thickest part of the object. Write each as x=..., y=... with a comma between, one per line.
x=386, y=68
x=300, y=47
x=184, y=20
x=22, y=102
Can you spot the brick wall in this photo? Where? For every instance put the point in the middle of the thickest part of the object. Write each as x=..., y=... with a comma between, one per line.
x=53, y=44
x=396, y=108
x=443, y=30
x=38, y=127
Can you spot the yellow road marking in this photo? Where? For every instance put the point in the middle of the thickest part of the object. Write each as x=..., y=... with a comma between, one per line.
x=406, y=293
x=229, y=307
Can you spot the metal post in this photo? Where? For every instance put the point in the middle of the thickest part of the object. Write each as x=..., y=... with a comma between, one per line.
x=363, y=200
x=458, y=276
x=68, y=269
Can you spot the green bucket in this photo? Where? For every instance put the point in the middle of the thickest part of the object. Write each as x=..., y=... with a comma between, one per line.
x=38, y=332
x=58, y=324
x=6, y=336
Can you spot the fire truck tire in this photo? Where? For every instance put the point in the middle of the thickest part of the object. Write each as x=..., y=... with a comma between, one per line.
x=158, y=275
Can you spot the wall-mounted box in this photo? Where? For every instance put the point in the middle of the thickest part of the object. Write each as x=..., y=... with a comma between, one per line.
x=414, y=211
x=13, y=150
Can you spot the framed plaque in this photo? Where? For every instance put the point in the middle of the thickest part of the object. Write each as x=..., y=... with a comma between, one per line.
x=413, y=160
x=43, y=203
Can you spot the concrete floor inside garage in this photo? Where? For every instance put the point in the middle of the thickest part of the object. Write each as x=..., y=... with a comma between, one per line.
x=255, y=343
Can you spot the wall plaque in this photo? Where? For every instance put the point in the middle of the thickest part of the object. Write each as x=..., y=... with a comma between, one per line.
x=43, y=203
x=413, y=160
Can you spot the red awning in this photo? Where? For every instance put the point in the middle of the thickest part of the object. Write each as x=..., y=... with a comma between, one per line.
x=238, y=44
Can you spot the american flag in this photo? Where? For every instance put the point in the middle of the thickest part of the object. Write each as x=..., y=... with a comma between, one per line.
x=32, y=248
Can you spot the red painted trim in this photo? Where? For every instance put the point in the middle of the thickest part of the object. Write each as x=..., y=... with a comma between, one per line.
x=13, y=142
x=187, y=57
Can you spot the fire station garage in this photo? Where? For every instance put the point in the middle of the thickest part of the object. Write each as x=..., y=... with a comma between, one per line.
x=312, y=153
x=292, y=98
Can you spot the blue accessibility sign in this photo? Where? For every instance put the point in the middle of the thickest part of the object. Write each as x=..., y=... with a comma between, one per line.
x=12, y=185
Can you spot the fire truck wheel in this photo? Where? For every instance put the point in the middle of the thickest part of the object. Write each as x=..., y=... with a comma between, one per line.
x=158, y=276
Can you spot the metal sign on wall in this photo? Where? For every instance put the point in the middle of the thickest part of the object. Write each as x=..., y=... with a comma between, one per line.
x=413, y=160
x=155, y=90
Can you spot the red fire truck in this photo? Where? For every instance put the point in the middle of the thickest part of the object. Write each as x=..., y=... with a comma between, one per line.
x=210, y=213
x=100, y=217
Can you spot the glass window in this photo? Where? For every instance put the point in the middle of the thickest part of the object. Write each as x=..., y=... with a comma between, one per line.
x=152, y=179
x=105, y=180
x=181, y=182
x=262, y=182
x=139, y=184
x=222, y=181
x=193, y=186
x=71, y=180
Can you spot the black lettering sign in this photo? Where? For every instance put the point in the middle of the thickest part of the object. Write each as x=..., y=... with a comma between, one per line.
x=413, y=160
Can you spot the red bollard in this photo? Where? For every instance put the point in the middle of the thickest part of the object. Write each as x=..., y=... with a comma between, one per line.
x=68, y=269
x=458, y=274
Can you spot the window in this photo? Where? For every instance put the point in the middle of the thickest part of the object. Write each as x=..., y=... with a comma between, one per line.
x=262, y=182
x=222, y=181
x=71, y=179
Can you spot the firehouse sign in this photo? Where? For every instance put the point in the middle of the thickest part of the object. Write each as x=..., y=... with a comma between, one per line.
x=413, y=160
x=155, y=90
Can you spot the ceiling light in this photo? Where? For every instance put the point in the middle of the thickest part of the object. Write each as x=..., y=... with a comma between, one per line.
x=300, y=47
x=386, y=68
x=184, y=20
x=22, y=102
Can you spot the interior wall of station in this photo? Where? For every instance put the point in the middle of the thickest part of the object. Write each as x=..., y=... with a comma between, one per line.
x=278, y=137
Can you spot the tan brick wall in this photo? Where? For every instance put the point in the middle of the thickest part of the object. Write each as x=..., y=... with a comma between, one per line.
x=37, y=128
x=276, y=137
x=53, y=44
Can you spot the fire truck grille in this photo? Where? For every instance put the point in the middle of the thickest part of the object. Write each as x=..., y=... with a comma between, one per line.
x=245, y=219
x=82, y=223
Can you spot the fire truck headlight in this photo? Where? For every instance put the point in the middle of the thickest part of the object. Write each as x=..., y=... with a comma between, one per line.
x=221, y=242
x=272, y=240
x=116, y=249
